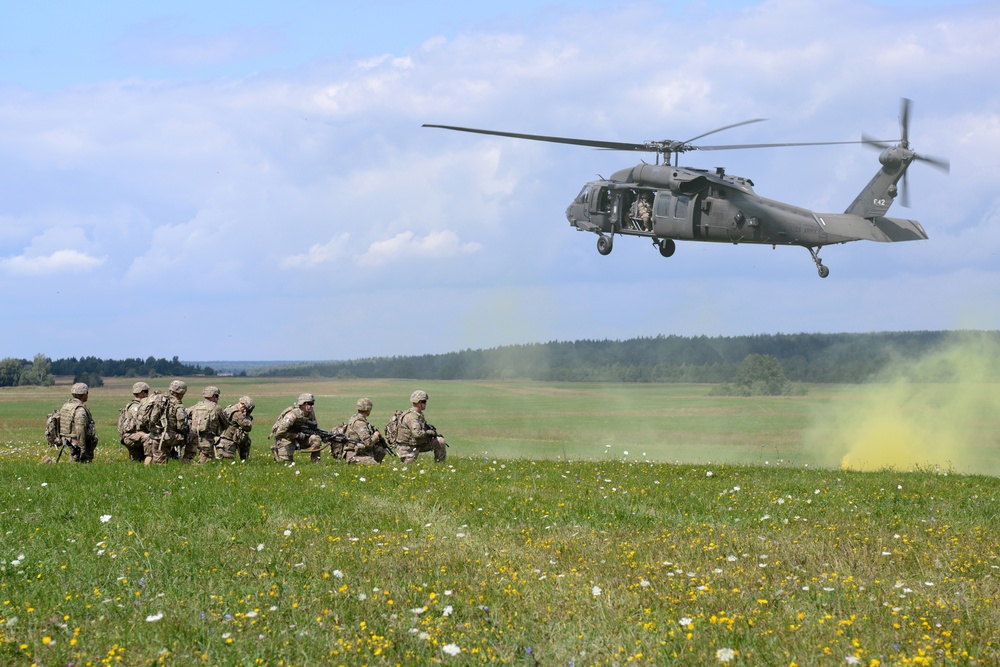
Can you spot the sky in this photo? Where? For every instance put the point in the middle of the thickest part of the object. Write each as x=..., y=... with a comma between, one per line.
x=251, y=181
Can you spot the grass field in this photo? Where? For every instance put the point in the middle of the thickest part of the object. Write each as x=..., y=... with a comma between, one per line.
x=559, y=532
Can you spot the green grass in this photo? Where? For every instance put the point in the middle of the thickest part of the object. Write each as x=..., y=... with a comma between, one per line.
x=605, y=558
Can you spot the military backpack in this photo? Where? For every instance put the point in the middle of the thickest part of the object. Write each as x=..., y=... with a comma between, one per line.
x=391, y=433
x=152, y=413
x=52, y=429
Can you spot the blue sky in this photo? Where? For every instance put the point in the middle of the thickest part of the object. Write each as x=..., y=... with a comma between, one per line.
x=250, y=180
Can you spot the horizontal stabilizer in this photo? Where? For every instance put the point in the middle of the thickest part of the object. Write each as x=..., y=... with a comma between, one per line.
x=886, y=230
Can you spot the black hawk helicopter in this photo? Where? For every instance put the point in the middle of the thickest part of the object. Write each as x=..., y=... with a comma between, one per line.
x=668, y=203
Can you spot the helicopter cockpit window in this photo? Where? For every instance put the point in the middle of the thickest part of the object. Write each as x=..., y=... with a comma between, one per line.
x=681, y=210
x=604, y=200
x=583, y=196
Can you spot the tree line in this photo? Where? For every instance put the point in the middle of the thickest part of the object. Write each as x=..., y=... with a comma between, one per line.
x=819, y=358
x=40, y=370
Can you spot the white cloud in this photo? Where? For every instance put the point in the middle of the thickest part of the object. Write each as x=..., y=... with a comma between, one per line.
x=407, y=246
x=59, y=262
x=318, y=254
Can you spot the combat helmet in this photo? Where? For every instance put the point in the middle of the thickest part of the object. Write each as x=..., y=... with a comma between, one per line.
x=305, y=398
x=418, y=396
x=139, y=387
x=364, y=405
x=178, y=387
x=210, y=391
x=79, y=389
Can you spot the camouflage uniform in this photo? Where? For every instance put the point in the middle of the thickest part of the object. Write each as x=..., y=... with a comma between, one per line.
x=207, y=423
x=644, y=210
x=173, y=430
x=236, y=438
x=76, y=425
x=135, y=440
x=364, y=442
x=416, y=436
x=287, y=431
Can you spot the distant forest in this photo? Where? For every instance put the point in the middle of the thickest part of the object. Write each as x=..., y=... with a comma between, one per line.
x=821, y=358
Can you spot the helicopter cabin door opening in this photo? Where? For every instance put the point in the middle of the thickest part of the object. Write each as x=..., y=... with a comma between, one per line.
x=675, y=216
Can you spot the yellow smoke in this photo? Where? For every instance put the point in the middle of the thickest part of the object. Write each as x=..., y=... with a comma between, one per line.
x=939, y=411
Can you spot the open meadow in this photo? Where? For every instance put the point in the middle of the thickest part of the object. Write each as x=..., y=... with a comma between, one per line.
x=573, y=524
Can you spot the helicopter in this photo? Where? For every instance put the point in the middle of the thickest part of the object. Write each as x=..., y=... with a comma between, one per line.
x=667, y=203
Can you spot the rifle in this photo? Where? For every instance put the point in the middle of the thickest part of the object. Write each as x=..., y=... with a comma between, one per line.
x=74, y=449
x=430, y=427
x=325, y=436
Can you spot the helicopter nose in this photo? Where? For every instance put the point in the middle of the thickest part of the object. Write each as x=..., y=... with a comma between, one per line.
x=569, y=215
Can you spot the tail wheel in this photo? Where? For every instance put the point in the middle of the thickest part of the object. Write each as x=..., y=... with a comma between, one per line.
x=667, y=247
x=604, y=244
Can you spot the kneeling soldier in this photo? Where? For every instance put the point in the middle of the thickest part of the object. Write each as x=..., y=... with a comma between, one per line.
x=288, y=431
x=416, y=435
x=364, y=443
x=236, y=438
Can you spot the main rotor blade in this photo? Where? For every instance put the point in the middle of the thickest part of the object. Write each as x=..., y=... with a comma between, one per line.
x=613, y=145
x=803, y=143
x=745, y=122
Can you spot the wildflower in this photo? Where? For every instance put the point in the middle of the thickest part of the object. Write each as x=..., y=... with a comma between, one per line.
x=725, y=654
x=152, y=618
x=595, y=591
x=105, y=518
x=338, y=574
x=251, y=614
x=852, y=660
x=448, y=610
x=644, y=583
x=451, y=649
x=686, y=621
x=418, y=610
x=260, y=547
x=708, y=474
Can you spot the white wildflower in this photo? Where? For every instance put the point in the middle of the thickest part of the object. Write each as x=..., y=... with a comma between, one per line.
x=105, y=518
x=152, y=618
x=451, y=649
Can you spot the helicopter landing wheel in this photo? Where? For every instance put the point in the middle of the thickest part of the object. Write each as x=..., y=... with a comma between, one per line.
x=604, y=244
x=822, y=270
x=667, y=247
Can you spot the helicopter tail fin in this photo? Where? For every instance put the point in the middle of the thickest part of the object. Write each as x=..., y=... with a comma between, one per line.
x=876, y=198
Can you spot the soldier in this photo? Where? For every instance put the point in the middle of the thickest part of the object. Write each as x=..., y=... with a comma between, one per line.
x=236, y=438
x=364, y=443
x=644, y=209
x=207, y=423
x=287, y=431
x=76, y=425
x=135, y=440
x=171, y=428
x=416, y=435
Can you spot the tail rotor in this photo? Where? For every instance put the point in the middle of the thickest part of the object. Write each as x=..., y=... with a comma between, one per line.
x=900, y=153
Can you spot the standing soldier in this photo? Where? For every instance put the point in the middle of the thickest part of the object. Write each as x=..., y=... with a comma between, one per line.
x=136, y=440
x=236, y=438
x=76, y=425
x=416, y=435
x=364, y=443
x=170, y=427
x=288, y=431
x=207, y=423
